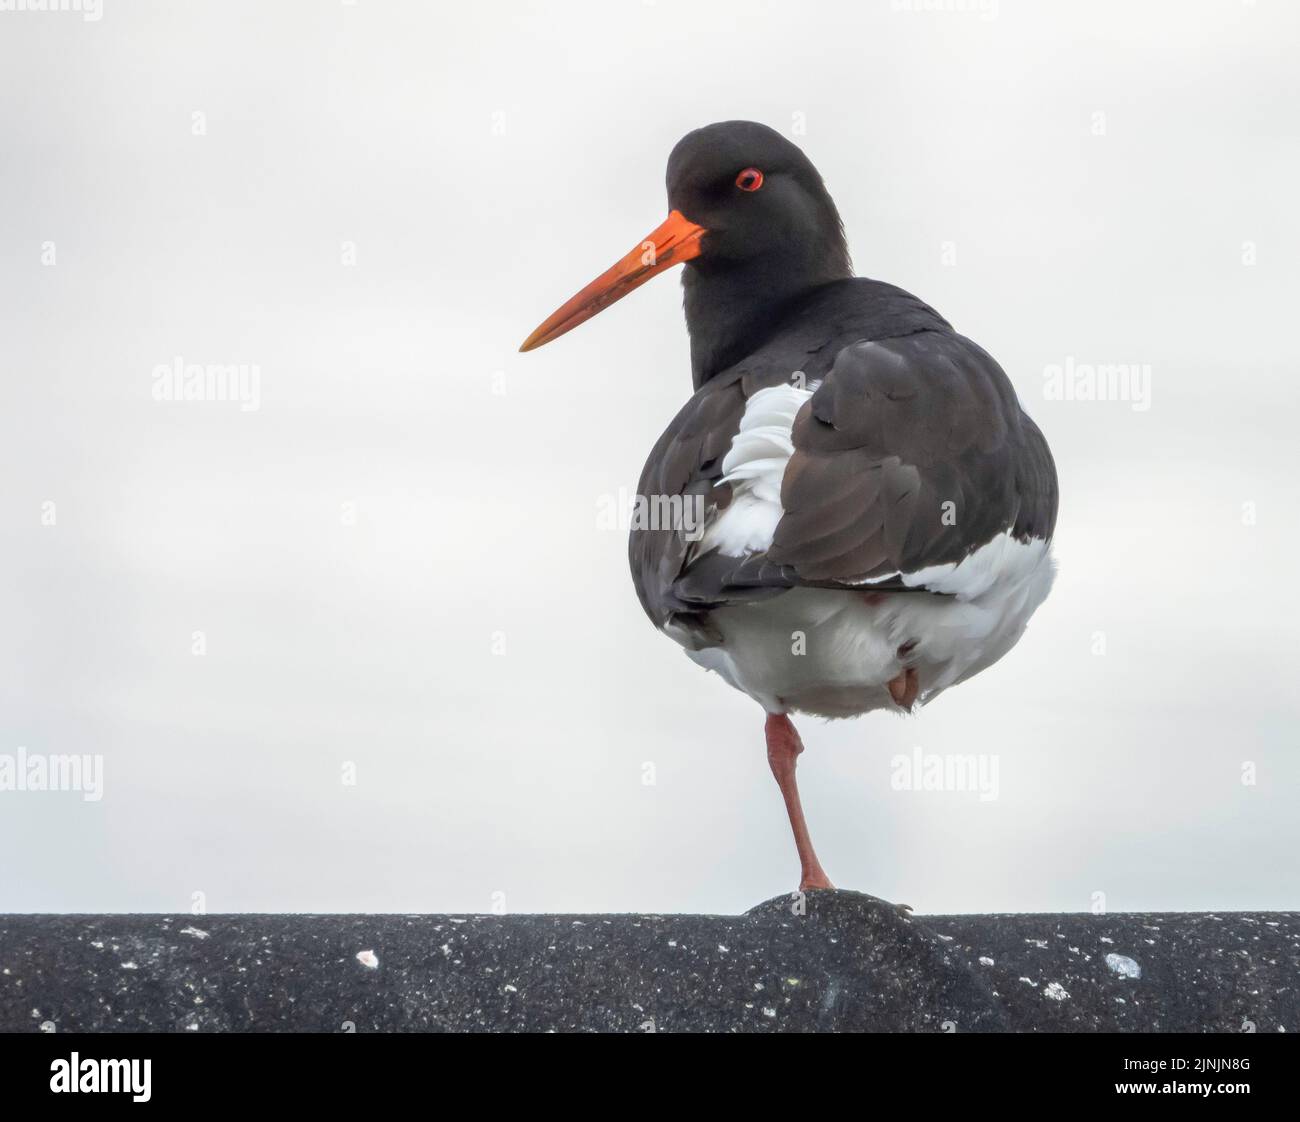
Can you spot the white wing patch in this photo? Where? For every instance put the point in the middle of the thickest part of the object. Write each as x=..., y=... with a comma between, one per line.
x=754, y=466
x=1002, y=558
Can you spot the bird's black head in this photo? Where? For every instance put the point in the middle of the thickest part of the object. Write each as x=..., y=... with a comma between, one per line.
x=754, y=224
x=757, y=196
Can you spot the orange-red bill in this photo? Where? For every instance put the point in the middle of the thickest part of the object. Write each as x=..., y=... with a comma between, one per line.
x=677, y=240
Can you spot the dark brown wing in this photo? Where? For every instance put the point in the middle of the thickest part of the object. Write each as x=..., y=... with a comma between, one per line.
x=686, y=461
x=913, y=452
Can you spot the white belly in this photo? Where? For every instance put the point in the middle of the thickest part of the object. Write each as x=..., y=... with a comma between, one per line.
x=831, y=652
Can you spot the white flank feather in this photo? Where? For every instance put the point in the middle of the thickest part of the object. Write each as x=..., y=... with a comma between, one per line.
x=754, y=466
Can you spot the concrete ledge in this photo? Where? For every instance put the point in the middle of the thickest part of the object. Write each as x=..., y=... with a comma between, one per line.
x=851, y=962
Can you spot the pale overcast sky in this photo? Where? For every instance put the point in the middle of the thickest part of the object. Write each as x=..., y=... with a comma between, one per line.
x=393, y=570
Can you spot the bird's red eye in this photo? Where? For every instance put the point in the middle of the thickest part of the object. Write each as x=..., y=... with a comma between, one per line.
x=751, y=179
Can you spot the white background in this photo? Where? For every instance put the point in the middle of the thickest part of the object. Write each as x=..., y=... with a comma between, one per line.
x=487, y=160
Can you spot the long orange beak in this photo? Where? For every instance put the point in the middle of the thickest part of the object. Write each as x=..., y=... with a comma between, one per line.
x=677, y=240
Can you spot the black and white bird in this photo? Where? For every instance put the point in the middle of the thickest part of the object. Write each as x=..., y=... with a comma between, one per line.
x=875, y=508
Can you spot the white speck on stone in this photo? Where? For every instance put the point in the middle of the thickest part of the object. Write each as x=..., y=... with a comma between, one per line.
x=672, y=942
x=768, y=1012
x=985, y=960
x=515, y=989
x=49, y=1026
x=98, y=944
x=128, y=966
x=197, y=932
x=722, y=949
x=368, y=959
x=1124, y=966
x=1028, y=981
x=1106, y=940
x=1041, y=944
x=1056, y=991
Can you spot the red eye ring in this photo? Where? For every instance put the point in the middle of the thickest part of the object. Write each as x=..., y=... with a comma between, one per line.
x=751, y=179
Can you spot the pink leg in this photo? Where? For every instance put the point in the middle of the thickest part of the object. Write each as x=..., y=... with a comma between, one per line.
x=783, y=748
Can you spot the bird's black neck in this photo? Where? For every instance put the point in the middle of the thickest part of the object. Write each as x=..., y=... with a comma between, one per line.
x=733, y=307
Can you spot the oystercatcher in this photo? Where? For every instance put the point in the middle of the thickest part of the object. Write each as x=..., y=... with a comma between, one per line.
x=875, y=509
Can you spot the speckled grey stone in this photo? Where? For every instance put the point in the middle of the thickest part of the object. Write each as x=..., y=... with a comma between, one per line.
x=844, y=962
x=1199, y=972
